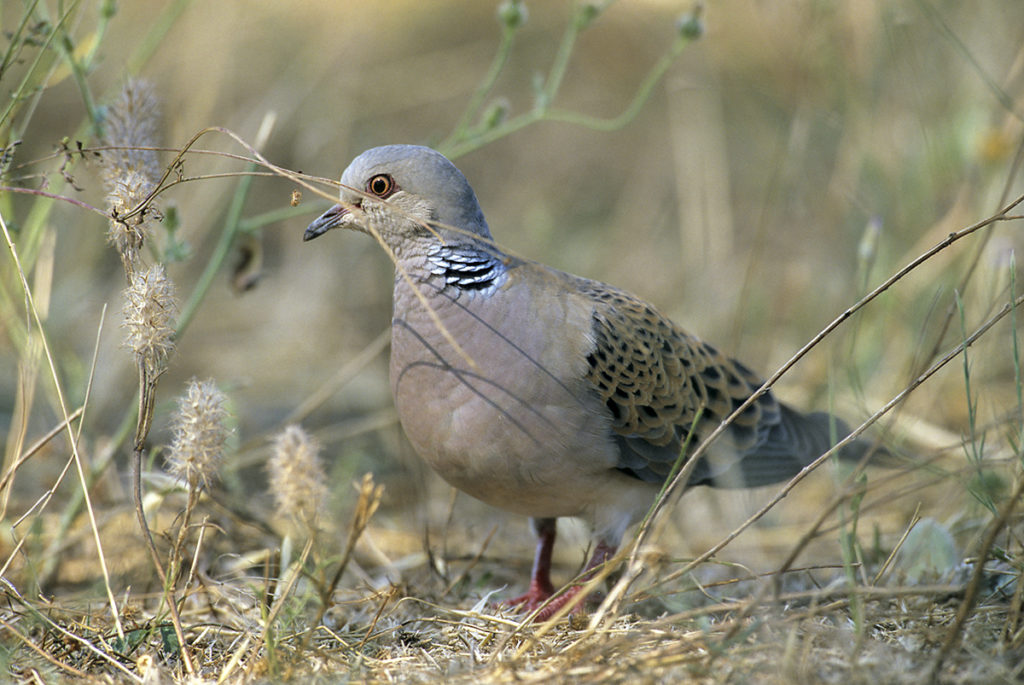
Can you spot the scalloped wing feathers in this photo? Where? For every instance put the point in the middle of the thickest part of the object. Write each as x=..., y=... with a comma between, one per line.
x=659, y=384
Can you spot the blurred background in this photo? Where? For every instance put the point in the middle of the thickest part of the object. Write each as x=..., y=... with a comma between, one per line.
x=789, y=161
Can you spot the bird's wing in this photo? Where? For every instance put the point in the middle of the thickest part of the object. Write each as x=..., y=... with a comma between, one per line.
x=659, y=383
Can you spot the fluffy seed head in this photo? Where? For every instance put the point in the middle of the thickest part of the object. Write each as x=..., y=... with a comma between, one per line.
x=132, y=123
x=126, y=235
x=131, y=172
x=297, y=475
x=199, y=435
x=149, y=311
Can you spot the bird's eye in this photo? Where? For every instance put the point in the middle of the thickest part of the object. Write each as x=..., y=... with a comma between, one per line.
x=381, y=185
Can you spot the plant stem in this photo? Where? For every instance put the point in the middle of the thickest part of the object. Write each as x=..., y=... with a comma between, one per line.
x=232, y=227
x=479, y=95
x=545, y=113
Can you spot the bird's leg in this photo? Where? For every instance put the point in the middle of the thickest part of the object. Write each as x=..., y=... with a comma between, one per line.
x=540, y=578
x=602, y=553
x=541, y=588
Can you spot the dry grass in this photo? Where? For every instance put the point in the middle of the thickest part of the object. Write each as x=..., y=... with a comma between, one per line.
x=773, y=175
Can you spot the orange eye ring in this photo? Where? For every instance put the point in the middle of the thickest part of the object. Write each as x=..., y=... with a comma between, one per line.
x=381, y=185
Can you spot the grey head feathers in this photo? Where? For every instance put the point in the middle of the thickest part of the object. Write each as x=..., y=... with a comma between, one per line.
x=425, y=174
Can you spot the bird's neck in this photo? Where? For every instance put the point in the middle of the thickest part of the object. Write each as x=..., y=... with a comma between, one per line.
x=464, y=267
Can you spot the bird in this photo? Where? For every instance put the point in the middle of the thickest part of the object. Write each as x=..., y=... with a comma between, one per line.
x=544, y=393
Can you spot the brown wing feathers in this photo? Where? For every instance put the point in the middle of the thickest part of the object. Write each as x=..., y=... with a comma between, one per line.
x=656, y=380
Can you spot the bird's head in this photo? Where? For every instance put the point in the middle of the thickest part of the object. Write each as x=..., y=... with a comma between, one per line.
x=401, y=192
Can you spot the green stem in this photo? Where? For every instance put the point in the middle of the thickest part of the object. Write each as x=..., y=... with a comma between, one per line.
x=20, y=93
x=78, y=70
x=1018, y=381
x=480, y=94
x=274, y=216
x=158, y=30
x=561, y=63
x=486, y=137
x=232, y=227
x=643, y=94
x=108, y=8
x=40, y=212
x=16, y=42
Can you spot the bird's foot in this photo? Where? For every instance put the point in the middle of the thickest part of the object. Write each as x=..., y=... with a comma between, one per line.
x=535, y=598
x=541, y=588
x=539, y=592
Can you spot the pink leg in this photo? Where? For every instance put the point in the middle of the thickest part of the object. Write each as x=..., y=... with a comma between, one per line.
x=602, y=553
x=540, y=579
x=541, y=588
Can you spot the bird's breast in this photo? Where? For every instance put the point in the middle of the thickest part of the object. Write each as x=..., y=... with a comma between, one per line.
x=491, y=391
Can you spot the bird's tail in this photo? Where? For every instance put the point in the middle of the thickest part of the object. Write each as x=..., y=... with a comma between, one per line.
x=823, y=430
x=793, y=443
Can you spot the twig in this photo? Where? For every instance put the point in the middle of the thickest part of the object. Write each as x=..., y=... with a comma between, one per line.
x=376, y=617
x=74, y=506
x=147, y=537
x=838, y=593
x=471, y=564
x=43, y=653
x=340, y=378
x=965, y=280
x=44, y=618
x=227, y=236
x=759, y=596
x=54, y=196
x=684, y=474
x=914, y=520
x=785, y=490
x=971, y=591
x=147, y=399
x=366, y=506
x=36, y=446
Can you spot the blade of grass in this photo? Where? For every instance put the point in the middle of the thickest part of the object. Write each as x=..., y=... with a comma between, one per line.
x=72, y=438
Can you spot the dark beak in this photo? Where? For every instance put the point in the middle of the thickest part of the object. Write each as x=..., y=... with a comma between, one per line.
x=325, y=222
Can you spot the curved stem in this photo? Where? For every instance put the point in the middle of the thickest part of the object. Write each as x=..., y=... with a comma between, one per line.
x=147, y=393
x=545, y=113
x=643, y=93
x=232, y=227
x=476, y=101
x=561, y=63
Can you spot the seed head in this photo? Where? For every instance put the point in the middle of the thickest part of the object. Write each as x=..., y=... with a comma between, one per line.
x=149, y=311
x=126, y=234
x=297, y=475
x=132, y=126
x=131, y=169
x=691, y=24
x=512, y=13
x=199, y=435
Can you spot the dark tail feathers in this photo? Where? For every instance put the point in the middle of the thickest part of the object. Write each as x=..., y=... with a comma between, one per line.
x=793, y=443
